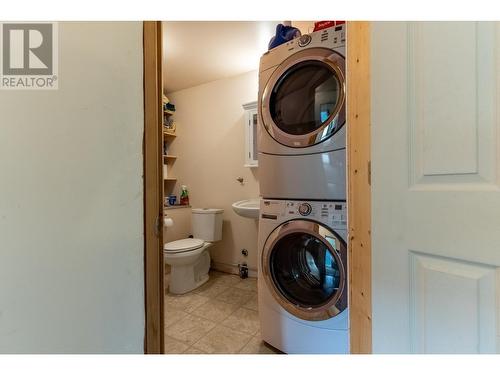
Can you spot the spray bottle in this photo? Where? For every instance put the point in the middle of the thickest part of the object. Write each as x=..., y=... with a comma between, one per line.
x=184, y=196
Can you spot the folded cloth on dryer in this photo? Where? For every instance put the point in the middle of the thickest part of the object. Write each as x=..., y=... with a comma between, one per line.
x=283, y=35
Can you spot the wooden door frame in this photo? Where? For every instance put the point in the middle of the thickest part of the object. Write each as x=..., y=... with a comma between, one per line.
x=359, y=186
x=153, y=188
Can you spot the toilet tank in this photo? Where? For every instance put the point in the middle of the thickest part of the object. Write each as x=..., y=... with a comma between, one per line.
x=207, y=224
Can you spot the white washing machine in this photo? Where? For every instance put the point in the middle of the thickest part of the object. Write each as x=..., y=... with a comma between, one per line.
x=303, y=276
x=302, y=117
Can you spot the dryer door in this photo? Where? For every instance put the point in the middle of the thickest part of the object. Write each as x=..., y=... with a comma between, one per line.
x=304, y=265
x=303, y=103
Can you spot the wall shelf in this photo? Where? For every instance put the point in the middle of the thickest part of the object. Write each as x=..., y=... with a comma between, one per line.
x=175, y=206
x=169, y=157
x=169, y=134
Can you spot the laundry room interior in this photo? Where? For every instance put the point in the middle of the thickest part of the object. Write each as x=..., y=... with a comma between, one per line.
x=218, y=165
x=251, y=187
x=304, y=189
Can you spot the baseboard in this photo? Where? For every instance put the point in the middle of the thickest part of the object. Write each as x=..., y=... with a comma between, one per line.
x=229, y=268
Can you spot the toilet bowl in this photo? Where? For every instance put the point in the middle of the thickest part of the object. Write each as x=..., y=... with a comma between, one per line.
x=190, y=261
x=189, y=258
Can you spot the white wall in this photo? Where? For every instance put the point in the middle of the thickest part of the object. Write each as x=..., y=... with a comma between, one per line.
x=71, y=204
x=305, y=27
x=210, y=150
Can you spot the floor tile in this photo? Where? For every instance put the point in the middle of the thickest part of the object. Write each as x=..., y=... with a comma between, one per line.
x=221, y=316
x=172, y=316
x=211, y=290
x=186, y=302
x=249, y=283
x=257, y=346
x=227, y=279
x=173, y=346
x=190, y=329
x=193, y=350
x=235, y=296
x=222, y=340
x=215, y=310
x=243, y=320
x=252, y=303
x=215, y=274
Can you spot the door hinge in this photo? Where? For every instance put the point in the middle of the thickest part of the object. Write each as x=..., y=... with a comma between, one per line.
x=370, y=173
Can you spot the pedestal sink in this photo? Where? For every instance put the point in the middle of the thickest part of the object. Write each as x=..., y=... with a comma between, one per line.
x=247, y=208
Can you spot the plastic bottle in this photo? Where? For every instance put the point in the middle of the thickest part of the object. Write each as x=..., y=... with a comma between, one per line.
x=184, y=196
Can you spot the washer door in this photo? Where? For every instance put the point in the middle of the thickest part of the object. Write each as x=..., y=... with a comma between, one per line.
x=303, y=264
x=303, y=103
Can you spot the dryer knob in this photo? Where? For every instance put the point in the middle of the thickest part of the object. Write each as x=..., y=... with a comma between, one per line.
x=305, y=209
x=304, y=40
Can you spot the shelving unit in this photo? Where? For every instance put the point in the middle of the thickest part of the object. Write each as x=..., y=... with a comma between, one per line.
x=168, y=137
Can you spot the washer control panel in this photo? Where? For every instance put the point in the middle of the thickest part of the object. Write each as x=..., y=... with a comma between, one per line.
x=333, y=213
x=305, y=209
x=304, y=40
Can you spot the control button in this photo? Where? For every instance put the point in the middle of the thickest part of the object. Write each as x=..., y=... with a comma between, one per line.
x=304, y=40
x=305, y=209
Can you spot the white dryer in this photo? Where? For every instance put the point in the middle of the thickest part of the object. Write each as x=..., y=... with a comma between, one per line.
x=302, y=117
x=303, y=276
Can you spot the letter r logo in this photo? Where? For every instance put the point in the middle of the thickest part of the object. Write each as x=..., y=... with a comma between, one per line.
x=27, y=48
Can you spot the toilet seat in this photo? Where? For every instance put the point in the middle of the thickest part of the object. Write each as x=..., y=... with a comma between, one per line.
x=182, y=246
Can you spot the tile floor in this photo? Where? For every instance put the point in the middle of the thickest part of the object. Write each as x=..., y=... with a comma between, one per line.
x=219, y=317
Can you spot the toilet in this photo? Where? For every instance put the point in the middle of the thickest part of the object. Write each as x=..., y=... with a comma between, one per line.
x=189, y=258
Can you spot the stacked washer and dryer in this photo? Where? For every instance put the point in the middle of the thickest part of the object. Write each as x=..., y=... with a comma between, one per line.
x=303, y=265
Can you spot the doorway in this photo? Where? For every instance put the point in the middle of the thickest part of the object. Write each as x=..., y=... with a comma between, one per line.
x=358, y=81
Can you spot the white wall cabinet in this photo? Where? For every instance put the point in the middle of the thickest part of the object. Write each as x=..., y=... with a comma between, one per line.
x=251, y=135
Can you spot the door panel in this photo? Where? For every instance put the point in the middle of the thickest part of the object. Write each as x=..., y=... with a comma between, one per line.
x=322, y=176
x=436, y=197
x=451, y=105
x=462, y=292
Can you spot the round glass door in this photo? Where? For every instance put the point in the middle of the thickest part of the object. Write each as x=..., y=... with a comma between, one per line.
x=305, y=270
x=305, y=97
x=303, y=103
x=303, y=264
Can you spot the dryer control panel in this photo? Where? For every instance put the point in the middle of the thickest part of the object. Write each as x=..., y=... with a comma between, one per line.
x=332, y=37
x=332, y=213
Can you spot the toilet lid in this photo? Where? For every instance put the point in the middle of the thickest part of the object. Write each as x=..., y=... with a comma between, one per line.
x=183, y=245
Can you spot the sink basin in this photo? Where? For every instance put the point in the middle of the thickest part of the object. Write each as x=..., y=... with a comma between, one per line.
x=247, y=208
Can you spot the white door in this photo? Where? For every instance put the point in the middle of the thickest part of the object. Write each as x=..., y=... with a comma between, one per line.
x=436, y=187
